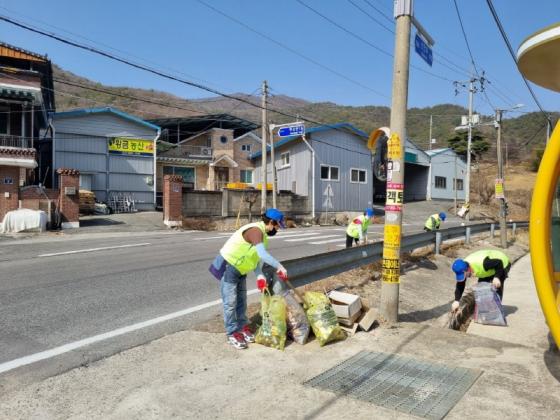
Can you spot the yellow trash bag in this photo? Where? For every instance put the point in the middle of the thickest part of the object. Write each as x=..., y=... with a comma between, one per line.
x=272, y=332
x=322, y=318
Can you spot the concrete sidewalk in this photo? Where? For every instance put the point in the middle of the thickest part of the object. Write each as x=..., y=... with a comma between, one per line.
x=197, y=375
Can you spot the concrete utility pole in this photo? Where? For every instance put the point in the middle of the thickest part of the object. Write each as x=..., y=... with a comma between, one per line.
x=469, y=140
x=389, y=307
x=430, y=138
x=503, y=231
x=273, y=169
x=264, y=127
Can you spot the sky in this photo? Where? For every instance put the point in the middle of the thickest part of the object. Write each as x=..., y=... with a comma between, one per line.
x=309, y=57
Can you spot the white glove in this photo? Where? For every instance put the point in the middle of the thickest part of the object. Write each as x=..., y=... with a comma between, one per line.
x=454, y=306
x=496, y=283
x=281, y=271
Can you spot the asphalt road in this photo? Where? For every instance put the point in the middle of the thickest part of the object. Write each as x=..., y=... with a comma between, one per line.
x=57, y=291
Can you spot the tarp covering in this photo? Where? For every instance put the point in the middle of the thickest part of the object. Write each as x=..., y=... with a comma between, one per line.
x=24, y=220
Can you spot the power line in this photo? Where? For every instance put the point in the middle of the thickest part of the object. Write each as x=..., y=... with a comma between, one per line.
x=370, y=4
x=513, y=56
x=291, y=50
x=365, y=41
x=352, y=2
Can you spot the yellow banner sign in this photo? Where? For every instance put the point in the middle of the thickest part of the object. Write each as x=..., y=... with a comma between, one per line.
x=125, y=145
x=499, y=188
x=391, y=270
x=392, y=234
x=394, y=197
x=394, y=147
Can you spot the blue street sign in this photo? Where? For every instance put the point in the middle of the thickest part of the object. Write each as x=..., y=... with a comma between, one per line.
x=423, y=50
x=291, y=130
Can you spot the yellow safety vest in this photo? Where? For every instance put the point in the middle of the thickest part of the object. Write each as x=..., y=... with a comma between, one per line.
x=354, y=228
x=241, y=254
x=433, y=222
x=476, y=261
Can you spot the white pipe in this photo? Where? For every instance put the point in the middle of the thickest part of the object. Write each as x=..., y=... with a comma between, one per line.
x=155, y=167
x=53, y=168
x=312, y=175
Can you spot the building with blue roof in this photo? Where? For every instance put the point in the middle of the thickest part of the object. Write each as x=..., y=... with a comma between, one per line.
x=342, y=179
x=114, y=152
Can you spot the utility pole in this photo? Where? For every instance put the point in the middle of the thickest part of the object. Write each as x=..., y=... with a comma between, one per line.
x=455, y=185
x=264, y=157
x=389, y=307
x=430, y=138
x=273, y=168
x=503, y=231
x=469, y=140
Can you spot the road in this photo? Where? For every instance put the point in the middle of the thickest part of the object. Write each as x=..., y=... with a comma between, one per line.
x=57, y=291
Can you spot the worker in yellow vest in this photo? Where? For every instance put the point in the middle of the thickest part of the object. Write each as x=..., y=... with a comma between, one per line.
x=357, y=229
x=245, y=251
x=488, y=265
x=434, y=221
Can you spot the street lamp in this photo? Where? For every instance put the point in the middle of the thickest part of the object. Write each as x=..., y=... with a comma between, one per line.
x=502, y=198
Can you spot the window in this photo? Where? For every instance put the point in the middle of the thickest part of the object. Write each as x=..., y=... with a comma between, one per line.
x=329, y=173
x=246, y=175
x=223, y=139
x=4, y=120
x=245, y=147
x=459, y=184
x=358, y=176
x=185, y=172
x=285, y=159
x=441, y=182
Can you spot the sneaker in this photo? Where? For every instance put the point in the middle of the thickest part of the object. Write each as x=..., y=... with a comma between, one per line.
x=248, y=334
x=237, y=340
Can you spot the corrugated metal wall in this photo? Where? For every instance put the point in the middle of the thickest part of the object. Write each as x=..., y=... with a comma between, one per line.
x=81, y=143
x=443, y=165
x=345, y=150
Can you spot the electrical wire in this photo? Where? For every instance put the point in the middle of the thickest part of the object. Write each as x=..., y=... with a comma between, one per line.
x=481, y=79
x=370, y=4
x=353, y=3
x=291, y=50
x=513, y=56
x=365, y=41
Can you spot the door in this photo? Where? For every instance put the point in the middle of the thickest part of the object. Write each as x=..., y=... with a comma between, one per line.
x=221, y=177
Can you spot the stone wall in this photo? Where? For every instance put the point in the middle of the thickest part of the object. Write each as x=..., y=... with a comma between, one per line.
x=202, y=203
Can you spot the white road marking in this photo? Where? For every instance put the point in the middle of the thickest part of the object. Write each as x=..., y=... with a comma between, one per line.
x=328, y=241
x=294, y=235
x=311, y=238
x=79, y=251
x=57, y=351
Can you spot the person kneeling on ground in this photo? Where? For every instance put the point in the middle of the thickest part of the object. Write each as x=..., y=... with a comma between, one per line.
x=357, y=229
x=243, y=252
x=434, y=221
x=488, y=265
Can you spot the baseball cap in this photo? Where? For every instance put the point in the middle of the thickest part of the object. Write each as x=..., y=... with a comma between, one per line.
x=442, y=216
x=369, y=212
x=459, y=267
x=277, y=216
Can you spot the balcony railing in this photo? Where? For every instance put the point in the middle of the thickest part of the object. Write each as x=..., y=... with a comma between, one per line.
x=197, y=152
x=9, y=140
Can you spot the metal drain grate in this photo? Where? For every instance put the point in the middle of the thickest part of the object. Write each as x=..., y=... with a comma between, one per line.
x=398, y=382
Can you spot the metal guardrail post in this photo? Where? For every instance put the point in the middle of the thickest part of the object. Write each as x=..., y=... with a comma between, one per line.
x=492, y=229
x=438, y=242
x=468, y=235
x=513, y=228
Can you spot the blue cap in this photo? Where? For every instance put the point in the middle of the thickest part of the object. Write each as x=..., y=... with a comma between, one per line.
x=442, y=216
x=277, y=216
x=460, y=267
x=369, y=212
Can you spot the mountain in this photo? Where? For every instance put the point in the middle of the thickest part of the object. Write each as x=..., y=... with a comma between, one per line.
x=522, y=134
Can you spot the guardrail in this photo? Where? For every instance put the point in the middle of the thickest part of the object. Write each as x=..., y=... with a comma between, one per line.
x=316, y=267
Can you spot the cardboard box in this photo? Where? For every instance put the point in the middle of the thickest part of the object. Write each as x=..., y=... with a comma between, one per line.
x=368, y=320
x=345, y=305
x=348, y=322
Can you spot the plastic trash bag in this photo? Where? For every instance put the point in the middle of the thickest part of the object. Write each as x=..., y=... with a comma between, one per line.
x=488, y=309
x=272, y=332
x=322, y=318
x=298, y=326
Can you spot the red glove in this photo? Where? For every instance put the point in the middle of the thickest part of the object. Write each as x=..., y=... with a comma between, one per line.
x=261, y=283
x=282, y=273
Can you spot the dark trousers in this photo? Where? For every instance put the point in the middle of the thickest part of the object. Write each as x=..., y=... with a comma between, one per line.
x=349, y=241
